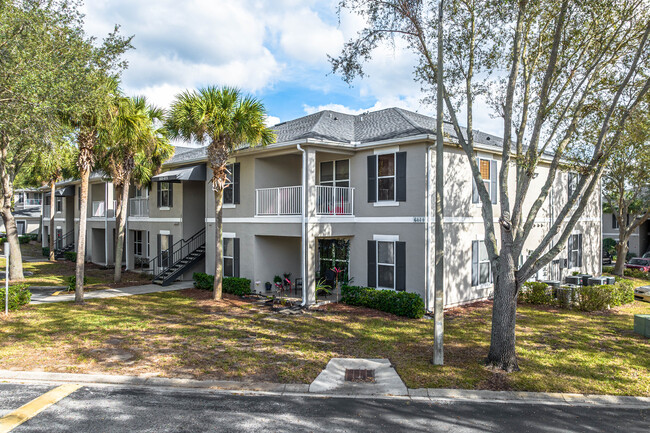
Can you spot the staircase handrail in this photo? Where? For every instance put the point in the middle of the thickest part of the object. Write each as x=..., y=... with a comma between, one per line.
x=177, y=252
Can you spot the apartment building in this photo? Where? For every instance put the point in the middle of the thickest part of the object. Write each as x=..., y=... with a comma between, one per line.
x=639, y=242
x=336, y=191
x=27, y=211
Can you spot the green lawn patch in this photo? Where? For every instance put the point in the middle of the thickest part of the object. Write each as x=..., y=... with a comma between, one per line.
x=185, y=334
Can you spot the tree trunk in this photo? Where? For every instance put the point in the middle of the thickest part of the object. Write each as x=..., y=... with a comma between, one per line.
x=502, y=353
x=81, y=244
x=621, y=254
x=52, y=231
x=120, y=222
x=218, y=250
x=16, y=259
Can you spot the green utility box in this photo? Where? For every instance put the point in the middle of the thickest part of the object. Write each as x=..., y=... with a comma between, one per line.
x=642, y=324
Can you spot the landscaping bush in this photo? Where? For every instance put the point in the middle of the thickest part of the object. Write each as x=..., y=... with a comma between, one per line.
x=18, y=296
x=46, y=251
x=608, y=269
x=536, y=293
x=636, y=273
x=72, y=282
x=399, y=303
x=24, y=239
x=70, y=255
x=594, y=298
x=232, y=285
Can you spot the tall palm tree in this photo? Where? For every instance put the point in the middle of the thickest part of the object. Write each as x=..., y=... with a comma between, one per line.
x=135, y=148
x=226, y=120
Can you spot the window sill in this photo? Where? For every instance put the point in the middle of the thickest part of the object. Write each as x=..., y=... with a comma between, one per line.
x=165, y=208
x=228, y=206
x=385, y=203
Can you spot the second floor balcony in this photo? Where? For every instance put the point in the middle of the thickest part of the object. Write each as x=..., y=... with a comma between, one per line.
x=287, y=200
x=139, y=207
x=29, y=202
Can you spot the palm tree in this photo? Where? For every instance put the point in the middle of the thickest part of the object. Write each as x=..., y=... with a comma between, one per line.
x=56, y=164
x=226, y=120
x=135, y=148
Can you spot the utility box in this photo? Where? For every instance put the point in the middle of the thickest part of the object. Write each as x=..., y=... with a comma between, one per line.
x=642, y=324
x=597, y=281
x=574, y=279
x=585, y=279
x=611, y=280
x=551, y=283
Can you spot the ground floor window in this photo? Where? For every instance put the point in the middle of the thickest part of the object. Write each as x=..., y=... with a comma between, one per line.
x=20, y=227
x=228, y=257
x=333, y=254
x=385, y=265
x=481, y=269
x=574, y=248
x=138, y=242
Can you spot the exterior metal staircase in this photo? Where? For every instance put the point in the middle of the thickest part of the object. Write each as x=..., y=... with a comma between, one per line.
x=63, y=244
x=180, y=257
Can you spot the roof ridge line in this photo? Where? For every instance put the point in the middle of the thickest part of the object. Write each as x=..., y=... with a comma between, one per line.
x=413, y=124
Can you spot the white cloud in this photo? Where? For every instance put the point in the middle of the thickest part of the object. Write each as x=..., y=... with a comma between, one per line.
x=272, y=120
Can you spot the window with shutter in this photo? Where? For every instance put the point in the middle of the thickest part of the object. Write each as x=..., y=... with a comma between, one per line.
x=489, y=172
x=229, y=189
x=481, y=269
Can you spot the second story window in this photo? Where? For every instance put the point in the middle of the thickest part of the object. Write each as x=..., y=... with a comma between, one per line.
x=572, y=183
x=165, y=195
x=386, y=177
x=231, y=190
x=335, y=173
x=488, y=169
x=59, y=205
x=574, y=248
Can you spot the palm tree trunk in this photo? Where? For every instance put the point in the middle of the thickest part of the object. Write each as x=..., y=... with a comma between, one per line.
x=81, y=244
x=52, y=213
x=120, y=221
x=218, y=244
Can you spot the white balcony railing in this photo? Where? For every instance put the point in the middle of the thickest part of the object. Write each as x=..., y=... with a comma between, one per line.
x=99, y=209
x=139, y=207
x=286, y=200
x=334, y=200
x=30, y=202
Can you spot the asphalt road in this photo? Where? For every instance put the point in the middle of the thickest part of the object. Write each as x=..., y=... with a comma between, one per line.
x=123, y=409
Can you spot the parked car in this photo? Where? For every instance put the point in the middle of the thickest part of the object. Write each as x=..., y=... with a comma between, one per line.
x=642, y=293
x=639, y=263
x=646, y=255
x=607, y=258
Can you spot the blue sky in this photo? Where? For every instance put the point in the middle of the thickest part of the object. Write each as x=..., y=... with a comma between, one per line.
x=274, y=49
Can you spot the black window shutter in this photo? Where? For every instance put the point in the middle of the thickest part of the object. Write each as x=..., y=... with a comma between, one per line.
x=580, y=250
x=236, y=257
x=159, y=198
x=171, y=194
x=372, y=178
x=614, y=221
x=235, y=183
x=570, y=250
x=372, y=263
x=475, y=269
x=475, y=197
x=159, y=249
x=400, y=178
x=493, y=181
x=400, y=266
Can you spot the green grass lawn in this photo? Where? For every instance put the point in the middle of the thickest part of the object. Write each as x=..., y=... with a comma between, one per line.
x=185, y=334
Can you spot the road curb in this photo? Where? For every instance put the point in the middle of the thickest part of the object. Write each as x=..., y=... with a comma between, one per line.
x=436, y=395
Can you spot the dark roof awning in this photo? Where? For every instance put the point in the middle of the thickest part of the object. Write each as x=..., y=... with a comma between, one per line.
x=66, y=191
x=195, y=172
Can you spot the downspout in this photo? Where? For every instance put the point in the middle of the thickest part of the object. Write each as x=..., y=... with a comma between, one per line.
x=106, y=224
x=303, y=236
x=427, y=229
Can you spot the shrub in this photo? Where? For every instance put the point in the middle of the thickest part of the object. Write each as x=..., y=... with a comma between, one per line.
x=232, y=285
x=608, y=269
x=536, y=293
x=593, y=298
x=46, y=251
x=24, y=239
x=399, y=303
x=237, y=286
x=636, y=273
x=70, y=255
x=18, y=296
x=72, y=282
x=609, y=245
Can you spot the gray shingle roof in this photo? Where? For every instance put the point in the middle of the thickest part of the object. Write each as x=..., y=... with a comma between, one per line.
x=327, y=125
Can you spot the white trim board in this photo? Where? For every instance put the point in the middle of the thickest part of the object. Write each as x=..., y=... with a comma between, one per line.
x=154, y=220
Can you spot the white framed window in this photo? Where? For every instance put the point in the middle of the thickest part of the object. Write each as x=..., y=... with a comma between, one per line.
x=228, y=257
x=228, y=190
x=164, y=194
x=488, y=170
x=386, y=177
x=335, y=173
x=138, y=242
x=574, y=250
x=59, y=204
x=481, y=269
x=614, y=222
x=386, y=264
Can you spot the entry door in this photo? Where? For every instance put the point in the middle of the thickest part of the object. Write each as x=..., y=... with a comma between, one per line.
x=20, y=226
x=59, y=238
x=164, y=250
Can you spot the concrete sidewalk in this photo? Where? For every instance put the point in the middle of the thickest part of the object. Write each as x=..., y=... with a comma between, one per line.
x=298, y=389
x=112, y=293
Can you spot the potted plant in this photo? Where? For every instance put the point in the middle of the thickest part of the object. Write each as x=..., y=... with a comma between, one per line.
x=268, y=285
x=278, y=281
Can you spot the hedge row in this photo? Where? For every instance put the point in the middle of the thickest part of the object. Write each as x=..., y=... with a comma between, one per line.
x=632, y=273
x=22, y=239
x=18, y=296
x=584, y=298
x=398, y=303
x=232, y=285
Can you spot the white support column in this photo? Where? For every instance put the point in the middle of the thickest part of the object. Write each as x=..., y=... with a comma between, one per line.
x=309, y=285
